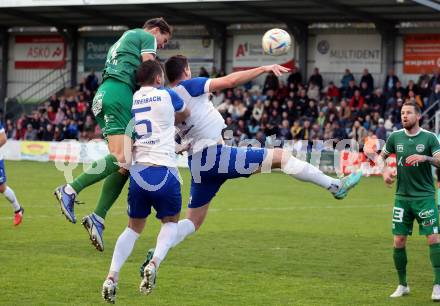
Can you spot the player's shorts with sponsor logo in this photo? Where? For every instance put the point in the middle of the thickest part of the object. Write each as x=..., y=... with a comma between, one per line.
x=424, y=210
x=214, y=165
x=2, y=172
x=112, y=107
x=153, y=186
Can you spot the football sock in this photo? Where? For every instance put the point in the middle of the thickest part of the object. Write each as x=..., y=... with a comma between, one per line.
x=97, y=171
x=111, y=190
x=123, y=248
x=306, y=172
x=185, y=227
x=165, y=239
x=69, y=189
x=434, y=254
x=10, y=195
x=400, y=260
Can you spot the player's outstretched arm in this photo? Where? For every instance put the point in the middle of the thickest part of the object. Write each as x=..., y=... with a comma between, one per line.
x=241, y=77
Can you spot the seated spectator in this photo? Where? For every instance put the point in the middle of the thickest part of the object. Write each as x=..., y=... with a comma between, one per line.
x=349, y=92
x=316, y=79
x=368, y=78
x=48, y=133
x=390, y=83
x=271, y=82
x=357, y=101
x=381, y=131
x=313, y=92
x=295, y=130
x=284, y=131
x=333, y=92
x=91, y=82
x=31, y=133
x=412, y=97
x=203, y=72
x=358, y=133
x=294, y=79
x=344, y=113
x=346, y=78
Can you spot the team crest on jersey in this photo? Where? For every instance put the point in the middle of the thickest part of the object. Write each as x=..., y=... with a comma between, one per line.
x=97, y=103
x=400, y=148
x=420, y=148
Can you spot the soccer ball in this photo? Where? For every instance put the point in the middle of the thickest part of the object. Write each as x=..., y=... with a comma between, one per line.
x=276, y=42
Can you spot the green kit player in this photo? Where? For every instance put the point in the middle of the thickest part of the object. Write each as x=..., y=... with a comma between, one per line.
x=416, y=151
x=112, y=109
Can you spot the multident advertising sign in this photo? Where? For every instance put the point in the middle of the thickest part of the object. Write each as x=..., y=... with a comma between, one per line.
x=335, y=53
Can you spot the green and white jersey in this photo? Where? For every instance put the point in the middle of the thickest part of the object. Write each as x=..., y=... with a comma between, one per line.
x=414, y=181
x=124, y=57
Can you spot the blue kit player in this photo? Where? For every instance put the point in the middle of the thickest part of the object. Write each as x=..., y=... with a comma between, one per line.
x=153, y=177
x=211, y=162
x=5, y=189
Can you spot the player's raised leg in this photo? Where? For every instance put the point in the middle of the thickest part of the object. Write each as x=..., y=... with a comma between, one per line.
x=165, y=240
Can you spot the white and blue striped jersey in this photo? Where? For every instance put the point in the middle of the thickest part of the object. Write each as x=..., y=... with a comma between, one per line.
x=153, y=112
x=205, y=124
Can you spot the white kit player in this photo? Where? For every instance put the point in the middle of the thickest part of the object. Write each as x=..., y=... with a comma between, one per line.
x=211, y=162
x=153, y=177
x=4, y=188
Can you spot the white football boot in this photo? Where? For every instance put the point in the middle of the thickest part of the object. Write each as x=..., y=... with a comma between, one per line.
x=400, y=291
x=109, y=290
x=148, y=283
x=436, y=293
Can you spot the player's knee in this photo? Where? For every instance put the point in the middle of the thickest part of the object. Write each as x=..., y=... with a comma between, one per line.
x=399, y=241
x=277, y=157
x=2, y=188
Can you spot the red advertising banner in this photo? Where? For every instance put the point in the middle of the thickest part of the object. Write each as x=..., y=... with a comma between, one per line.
x=39, y=52
x=421, y=53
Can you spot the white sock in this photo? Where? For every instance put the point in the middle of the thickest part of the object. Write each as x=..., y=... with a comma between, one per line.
x=69, y=189
x=306, y=172
x=185, y=228
x=165, y=239
x=10, y=195
x=100, y=220
x=123, y=249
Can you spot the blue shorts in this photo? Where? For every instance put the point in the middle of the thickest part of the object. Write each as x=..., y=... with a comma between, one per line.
x=214, y=165
x=2, y=172
x=157, y=187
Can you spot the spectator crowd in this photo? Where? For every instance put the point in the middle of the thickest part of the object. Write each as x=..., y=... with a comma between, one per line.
x=294, y=110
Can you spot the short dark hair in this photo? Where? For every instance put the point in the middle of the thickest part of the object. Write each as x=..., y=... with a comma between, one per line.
x=413, y=104
x=148, y=71
x=160, y=23
x=175, y=66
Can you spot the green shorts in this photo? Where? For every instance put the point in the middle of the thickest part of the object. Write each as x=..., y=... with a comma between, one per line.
x=424, y=210
x=112, y=107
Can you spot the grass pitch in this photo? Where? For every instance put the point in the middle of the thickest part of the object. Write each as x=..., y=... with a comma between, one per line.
x=268, y=240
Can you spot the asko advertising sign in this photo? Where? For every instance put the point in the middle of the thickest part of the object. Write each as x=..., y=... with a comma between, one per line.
x=39, y=52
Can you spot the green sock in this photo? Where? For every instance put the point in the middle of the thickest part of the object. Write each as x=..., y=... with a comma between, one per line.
x=111, y=189
x=434, y=254
x=400, y=260
x=89, y=177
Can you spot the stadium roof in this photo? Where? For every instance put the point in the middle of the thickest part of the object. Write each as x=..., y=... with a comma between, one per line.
x=67, y=14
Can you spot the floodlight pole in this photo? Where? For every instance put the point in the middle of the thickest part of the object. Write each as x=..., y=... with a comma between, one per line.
x=388, y=33
x=300, y=32
x=218, y=33
x=4, y=34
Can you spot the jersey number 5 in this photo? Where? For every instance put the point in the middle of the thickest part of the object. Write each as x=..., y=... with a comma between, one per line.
x=143, y=128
